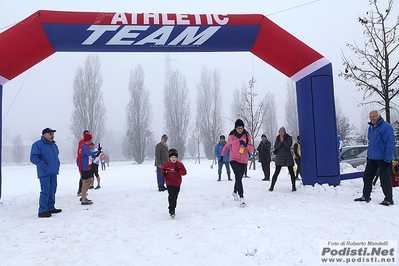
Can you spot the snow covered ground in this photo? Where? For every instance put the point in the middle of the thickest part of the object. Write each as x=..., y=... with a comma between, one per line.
x=129, y=224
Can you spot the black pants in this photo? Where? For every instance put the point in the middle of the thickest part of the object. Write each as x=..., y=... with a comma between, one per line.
x=239, y=169
x=277, y=172
x=298, y=169
x=266, y=169
x=173, y=192
x=386, y=183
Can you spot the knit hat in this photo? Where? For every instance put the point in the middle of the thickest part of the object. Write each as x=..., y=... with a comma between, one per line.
x=164, y=136
x=87, y=137
x=239, y=123
x=222, y=137
x=263, y=135
x=173, y=152
x=282, y=129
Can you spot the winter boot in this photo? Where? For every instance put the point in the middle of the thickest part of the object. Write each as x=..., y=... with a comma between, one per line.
x=229, y=178
x=274, y=179
x=293, y=183
x=219, y=177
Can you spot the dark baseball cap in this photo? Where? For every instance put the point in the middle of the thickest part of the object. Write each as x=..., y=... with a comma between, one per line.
x=48, y=130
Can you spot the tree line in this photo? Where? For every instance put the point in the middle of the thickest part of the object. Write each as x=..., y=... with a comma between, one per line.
x=374, y=69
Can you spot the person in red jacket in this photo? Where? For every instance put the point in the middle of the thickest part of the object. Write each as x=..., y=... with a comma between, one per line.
x=85, y=167
x=173, y=172
x=78, y=158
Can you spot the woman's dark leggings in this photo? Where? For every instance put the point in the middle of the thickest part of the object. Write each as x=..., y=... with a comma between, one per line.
x=238, y=169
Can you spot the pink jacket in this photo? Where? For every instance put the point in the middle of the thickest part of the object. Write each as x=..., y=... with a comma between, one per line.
x=233, y=143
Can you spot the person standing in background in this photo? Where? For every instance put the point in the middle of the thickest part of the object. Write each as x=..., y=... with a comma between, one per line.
x=85, y=166
x=107, y=160
x=44, y=154
x=103, y=158
x=264, y=156
x=282, y=149
x=161, y=157
x=94, y=167
x=226, y=158
x=340, y=144
x=297, y=158
x=78, y=157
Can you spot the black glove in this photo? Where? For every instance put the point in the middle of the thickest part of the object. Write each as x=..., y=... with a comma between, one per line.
x=386, y=164
x=243, y=143
x=165, y=173
x=177, y=169
x=221, y=159
x=99, y=150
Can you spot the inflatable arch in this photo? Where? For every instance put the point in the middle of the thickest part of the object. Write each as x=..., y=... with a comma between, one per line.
x=46, y=32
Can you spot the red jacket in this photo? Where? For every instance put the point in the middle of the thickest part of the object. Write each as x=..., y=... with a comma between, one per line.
x=173, y=177
x=79, y=153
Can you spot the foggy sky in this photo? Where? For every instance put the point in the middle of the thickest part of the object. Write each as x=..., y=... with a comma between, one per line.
x=42, y=96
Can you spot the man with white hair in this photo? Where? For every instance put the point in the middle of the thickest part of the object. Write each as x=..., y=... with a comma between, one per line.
x=44, y=154
x=161, y=157
x=379, y=157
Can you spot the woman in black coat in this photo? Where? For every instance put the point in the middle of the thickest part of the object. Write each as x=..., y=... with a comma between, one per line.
x=264, y=156
x=282, y=149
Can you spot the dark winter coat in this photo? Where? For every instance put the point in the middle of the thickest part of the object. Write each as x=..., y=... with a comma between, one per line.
x=264, y=151
x=284, y=155
x=161, y=154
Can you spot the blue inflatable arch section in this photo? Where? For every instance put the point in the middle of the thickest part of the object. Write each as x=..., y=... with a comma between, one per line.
x=46, y=32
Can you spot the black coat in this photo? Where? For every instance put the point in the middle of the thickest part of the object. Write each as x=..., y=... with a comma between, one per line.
x=284, y=155
x=264, y=151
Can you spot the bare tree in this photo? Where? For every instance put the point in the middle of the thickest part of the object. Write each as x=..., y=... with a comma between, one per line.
x=18, y=149
x=270, y=125
x=150, y=147
x=252, y=112
x=209, y=103
x=89, y=112
x=127, y=150
x=376, y=70
x=177, y=111
x=192, y=146
x=197, y=137
x=138, y=115
x=344, y=128
x=291, y=110
x=363, y=129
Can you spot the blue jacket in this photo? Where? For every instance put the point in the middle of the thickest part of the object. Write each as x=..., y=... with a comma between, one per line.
x=86, y=160
x=381, y=141
x=44, y=155
x=218, y=152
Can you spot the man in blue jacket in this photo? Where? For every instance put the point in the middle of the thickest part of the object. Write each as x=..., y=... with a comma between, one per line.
x=379, y=157
x=44, y=154
x=226, y=159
